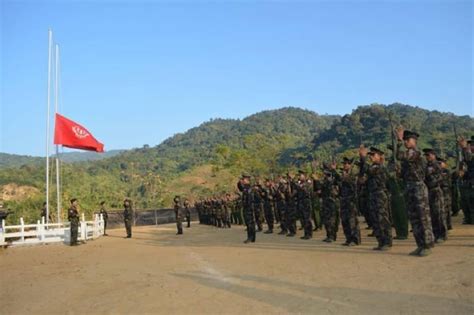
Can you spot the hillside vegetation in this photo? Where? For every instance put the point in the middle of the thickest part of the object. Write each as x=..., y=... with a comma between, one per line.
x=207, y=159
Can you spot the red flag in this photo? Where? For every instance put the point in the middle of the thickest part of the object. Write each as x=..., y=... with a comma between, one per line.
x=72, y=135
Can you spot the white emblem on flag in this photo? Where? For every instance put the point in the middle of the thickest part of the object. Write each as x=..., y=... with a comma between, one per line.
x=79, y=132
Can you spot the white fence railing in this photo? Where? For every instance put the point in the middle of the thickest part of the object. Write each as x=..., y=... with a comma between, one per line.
x=42, y=233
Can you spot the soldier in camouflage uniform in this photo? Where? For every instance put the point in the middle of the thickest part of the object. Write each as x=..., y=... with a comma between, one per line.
x=379, y=203
x=178, y=215
x=455, y=192
x=128, y=216
x=280, y=204
x=187, y=212
x=363, y=198
x=290, y=209
x=267, y=196
x=258, y=205
x=433, y=179
x=446, y=188
x=248, y=209
x=238, y=210
x=304, y=194
x=316, y=206
x=105, y=216
x=416, y=192
x=467, y=180
x=347, y=187
x=73, y=217
x=228, y=210
x=329, y=192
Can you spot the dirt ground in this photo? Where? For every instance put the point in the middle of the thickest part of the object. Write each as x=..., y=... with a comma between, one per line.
x=209, y=270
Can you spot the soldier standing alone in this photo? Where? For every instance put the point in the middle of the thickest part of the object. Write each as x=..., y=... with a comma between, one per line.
x=178, y=215
x=187, y=212
x=73, y=217
x=247, y=205
x=105, y=216
x=128, y=216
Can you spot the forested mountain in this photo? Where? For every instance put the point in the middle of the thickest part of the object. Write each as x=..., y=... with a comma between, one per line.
x=207, y=159
x=15, y=160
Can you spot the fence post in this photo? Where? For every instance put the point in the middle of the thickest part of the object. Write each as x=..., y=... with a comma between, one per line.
x=101, y=225
x=22, y=230
x=83, y=228
x=2, y=233
x=156, y=218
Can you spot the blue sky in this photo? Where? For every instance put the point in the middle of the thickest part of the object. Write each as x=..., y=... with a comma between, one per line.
x=137, y=72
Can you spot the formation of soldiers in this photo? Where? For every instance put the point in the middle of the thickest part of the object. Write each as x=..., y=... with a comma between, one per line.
x=413, y=186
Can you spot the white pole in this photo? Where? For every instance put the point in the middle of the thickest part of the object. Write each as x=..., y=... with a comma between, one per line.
x=50, y=36
x=56, y=81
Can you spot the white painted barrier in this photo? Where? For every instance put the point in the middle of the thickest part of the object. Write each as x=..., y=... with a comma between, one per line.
x=42, y=233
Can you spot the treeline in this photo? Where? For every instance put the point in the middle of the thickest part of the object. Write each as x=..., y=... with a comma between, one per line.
x=266, y=143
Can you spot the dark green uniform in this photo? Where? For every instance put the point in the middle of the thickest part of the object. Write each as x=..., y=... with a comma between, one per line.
x=416, y=197
x=467, y=185
x=379, y=204
x=330, y=205
x=446, y=188
x=267, y=196
x=248, y=210
x=304, y=194
x=397, y=206
x=178, y=216
x=433, y=181
x=290, y=209
x=350, y=223
x=73, y=217
x=128, y=219
x=187, y=213
x=258, y=206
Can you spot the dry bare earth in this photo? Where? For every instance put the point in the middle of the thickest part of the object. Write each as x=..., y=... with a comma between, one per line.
x=209, y=270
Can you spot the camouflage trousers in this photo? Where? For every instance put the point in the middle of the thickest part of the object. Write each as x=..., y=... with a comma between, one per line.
x=249, y=218
x=379, y=208
x=291, y=218
x=448, y=205
x=305, y=210
x=259, y=217
x=437, y=211
x=280, y=206
x=269, y=218
x=128, y=227
x=329, y=215
x=363, y=202
x=467, y=202
x=418, y=208
x=74, y=232
x=350, y=223
x=316, y=213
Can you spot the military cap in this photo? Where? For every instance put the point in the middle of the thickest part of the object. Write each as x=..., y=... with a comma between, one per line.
x=407, y=134
x=301, y=172
x=441, y=159
x=245, y=175
x=374, y=150
x=471, y=141
x=346, y=160
x=429, y=151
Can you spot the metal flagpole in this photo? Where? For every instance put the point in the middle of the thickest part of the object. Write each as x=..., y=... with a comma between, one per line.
x=50, y=37
x=56, y=82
